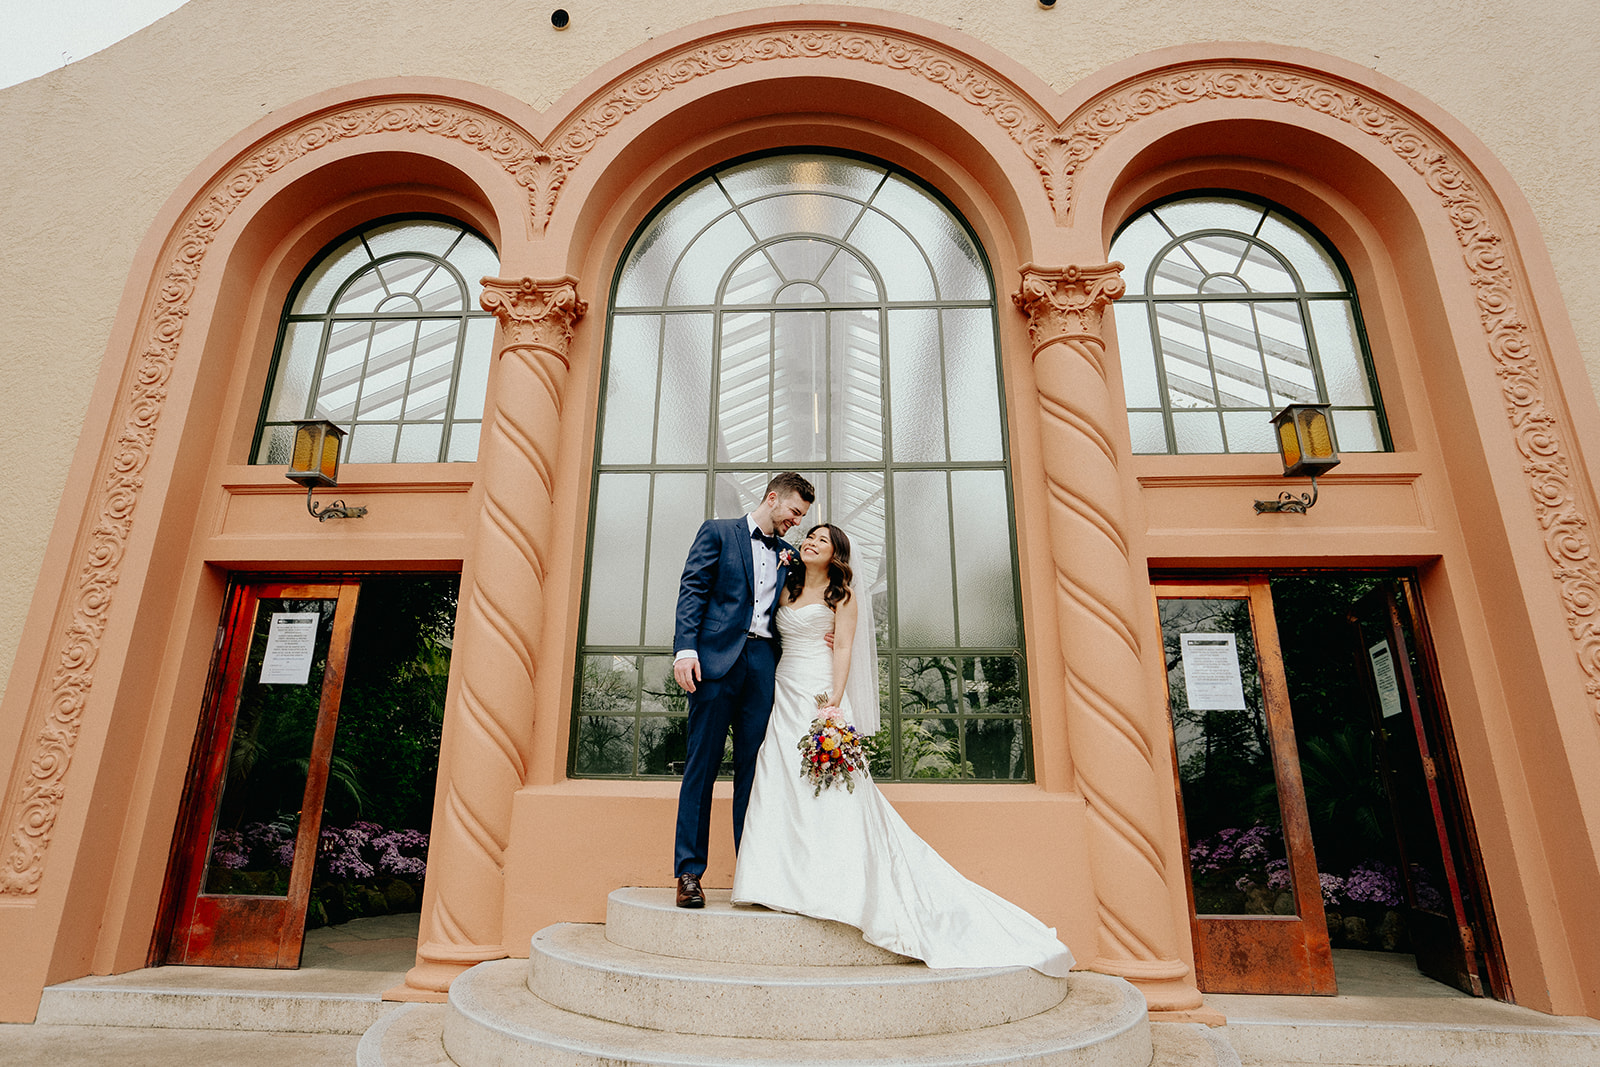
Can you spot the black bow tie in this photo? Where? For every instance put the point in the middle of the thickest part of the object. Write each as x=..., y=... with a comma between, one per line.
x=772, y=541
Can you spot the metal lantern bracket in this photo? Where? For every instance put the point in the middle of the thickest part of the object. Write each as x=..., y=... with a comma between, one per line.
x=1305, y=445
x=314, y=463
x=1287, y=501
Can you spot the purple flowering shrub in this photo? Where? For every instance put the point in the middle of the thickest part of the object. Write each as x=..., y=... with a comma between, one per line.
x=1243, y=871
x=362, y=869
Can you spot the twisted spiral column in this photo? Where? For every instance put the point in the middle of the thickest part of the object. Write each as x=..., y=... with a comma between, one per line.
x=498, y=627
x=1109, y=725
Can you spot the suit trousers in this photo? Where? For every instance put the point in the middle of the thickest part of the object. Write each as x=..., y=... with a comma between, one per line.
x=742, y=699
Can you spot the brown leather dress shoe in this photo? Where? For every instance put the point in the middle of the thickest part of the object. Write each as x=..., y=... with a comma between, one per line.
x=690, y=894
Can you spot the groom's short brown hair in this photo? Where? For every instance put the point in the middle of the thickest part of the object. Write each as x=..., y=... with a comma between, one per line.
x=789, y=482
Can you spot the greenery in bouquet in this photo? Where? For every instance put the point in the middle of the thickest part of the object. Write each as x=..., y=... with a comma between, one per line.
x=830, y=750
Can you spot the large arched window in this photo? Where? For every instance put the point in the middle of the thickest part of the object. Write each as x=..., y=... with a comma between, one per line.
x=383, y=335
x=1234, y=309
x=827, y=315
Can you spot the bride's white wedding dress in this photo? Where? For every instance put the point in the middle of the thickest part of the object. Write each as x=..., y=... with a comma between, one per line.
x=848, y=856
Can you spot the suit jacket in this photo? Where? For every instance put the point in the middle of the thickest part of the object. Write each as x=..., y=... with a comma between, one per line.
x=716, y=595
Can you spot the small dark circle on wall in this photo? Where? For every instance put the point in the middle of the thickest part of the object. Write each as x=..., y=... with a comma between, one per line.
x=559, y=17
x=1047, y=4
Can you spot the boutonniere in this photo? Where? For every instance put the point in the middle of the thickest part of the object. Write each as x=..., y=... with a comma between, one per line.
x=786, y=558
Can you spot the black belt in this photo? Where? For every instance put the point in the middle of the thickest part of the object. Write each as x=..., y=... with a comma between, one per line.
x=753, y=636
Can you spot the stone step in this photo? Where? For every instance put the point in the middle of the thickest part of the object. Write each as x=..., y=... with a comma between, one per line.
x=493, y=1021
x=575, y=967
x=114, y=1002
x=410, y=1036
x=647, y=919
x=1569, y=1042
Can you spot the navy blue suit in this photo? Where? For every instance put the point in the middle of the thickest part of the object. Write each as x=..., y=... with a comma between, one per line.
x=716, y=599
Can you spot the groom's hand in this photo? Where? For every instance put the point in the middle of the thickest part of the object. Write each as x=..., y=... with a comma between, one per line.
x=687, y=673
x=828, y=638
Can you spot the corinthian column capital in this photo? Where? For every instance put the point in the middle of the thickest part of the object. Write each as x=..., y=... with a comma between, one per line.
x=1067, y=303
x=534, y=312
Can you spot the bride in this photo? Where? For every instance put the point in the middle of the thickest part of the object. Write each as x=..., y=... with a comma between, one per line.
x=848, y=856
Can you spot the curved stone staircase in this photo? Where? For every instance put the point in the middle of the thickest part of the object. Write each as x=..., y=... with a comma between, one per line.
x=741, y=986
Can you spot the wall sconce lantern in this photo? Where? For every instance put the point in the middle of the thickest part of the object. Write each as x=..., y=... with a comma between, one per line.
x=314, y=463
x=1305, y=444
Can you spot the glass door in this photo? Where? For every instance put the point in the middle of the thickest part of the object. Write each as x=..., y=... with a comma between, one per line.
x=1254, y=894
x=261, y=770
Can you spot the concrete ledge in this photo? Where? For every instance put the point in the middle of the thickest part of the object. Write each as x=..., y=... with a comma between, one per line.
x=1407, y=1044
x=86, y=1003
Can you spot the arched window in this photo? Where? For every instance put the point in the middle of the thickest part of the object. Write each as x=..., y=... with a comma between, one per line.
x=831, y=316
x=1233, y=310
x=383, y=335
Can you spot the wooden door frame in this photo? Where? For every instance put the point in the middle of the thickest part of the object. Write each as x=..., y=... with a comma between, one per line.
x=206, y=778
x=1223, y=944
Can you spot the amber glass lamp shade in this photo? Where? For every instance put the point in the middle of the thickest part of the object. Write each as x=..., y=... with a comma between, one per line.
x=1305, y=441
x=315, y=459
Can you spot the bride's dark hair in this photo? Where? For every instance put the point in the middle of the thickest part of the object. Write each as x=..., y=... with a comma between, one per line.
x=839, y=572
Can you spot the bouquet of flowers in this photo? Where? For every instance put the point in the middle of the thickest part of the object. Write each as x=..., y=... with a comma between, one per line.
x=830, y=750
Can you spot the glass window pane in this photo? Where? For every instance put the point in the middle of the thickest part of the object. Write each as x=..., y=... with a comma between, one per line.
x=916, y=386
x=464, y=442
x=848, y=178
x=1138, y=361
x=685, y=383
x=1249, y=431
x=1185, y=355
x=680, y=508
x=995, y=749
x=754, y=281
x=802, y=259
x=420, y=442
x=616, y=568
x=1357, y=431
x=699, y=271
x=605, y=744
x=364, y=293
x=1339, y=348
x=956, y=264
x=1235, y=354
x=371, y=443
x=643, y=282
x=899, y=262
x=801, y=391
x=1310, y=261
x=316, y=292
x=744, y=388
x=985, y=593
x=630, y=398
x=930, y=748
x=1149, y=432
x=297, y=362
x=807, y=212
x=921, y=512
x=277, y=446
x=1197, y=431
x=1135, y=247
x=856, y=349
x=472, y=382
x=848, y=281
x=1264, y=272
x=475, y=259
x=1210, y=213
x=412, y=235
x=970, y=348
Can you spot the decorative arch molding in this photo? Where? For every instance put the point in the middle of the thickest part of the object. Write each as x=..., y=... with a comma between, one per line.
x=38, y=789
x=1519, y=351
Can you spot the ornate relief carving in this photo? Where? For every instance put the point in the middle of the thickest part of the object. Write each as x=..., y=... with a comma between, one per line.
x=535, y=314
x=1067, y=303
x=60, y=708
x=1097, y=605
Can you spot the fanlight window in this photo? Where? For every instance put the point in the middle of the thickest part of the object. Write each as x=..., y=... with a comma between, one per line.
x=1233, y=310
x=383, y=336
x=831, y=316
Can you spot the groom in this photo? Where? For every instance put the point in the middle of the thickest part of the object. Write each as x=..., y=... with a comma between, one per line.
x=726, y=649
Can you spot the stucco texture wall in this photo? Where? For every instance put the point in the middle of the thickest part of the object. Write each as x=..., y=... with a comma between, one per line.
x=89, y=153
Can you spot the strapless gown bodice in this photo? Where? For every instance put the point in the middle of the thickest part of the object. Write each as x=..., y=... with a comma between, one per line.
x=848, y=856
